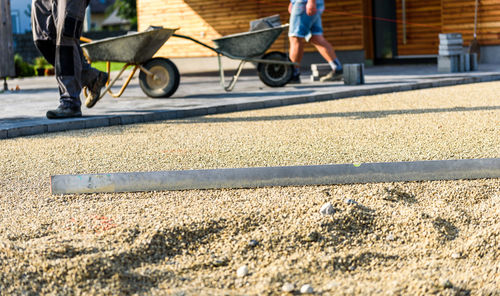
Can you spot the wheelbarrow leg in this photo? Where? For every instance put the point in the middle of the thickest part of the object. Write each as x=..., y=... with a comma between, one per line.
x=126, y=83
x=235, y=77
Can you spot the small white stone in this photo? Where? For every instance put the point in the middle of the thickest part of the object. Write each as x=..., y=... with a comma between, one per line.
x=390, y=237
x=306, y=289
x=242, y=271
x=288, y=287
x=327, y=209
x=455, y=256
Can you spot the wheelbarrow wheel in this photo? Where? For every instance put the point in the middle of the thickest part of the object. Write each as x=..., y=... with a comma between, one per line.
x=275, y=75
x=164, y=81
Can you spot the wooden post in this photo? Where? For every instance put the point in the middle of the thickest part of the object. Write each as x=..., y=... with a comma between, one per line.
x=7, y=68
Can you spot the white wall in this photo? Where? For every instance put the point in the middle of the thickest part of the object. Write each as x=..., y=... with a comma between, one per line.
x=21, y=23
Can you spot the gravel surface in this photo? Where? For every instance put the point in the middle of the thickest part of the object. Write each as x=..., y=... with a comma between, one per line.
x=414, y=238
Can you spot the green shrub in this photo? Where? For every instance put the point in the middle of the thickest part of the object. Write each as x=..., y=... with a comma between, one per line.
x=23, y=69
x=41, y=63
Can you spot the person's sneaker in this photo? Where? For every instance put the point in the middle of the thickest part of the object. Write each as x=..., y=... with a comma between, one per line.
x=64, y=111
x=295, y=79
x=94, y=90
x=332, y=76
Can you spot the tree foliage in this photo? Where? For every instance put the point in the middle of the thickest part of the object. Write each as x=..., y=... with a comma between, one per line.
x=126, y=9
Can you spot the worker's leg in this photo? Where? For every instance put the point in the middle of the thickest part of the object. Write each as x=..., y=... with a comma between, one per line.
x=43, y=27
x=68, y=59
x=296, y=49
x=324, y=47
x=298, y=30
x=68, y=16
x=93, y=80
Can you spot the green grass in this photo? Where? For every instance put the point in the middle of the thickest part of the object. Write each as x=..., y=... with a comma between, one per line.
x=101, y=66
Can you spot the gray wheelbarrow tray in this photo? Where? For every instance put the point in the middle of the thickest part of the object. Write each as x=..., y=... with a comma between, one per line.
x=247, y=47
x=133, y=49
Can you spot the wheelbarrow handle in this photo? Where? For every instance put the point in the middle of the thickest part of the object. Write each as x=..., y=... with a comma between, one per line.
x=86, y=40
x=197, y=41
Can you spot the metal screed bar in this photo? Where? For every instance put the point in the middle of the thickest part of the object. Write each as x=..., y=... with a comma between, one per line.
x=277, y=176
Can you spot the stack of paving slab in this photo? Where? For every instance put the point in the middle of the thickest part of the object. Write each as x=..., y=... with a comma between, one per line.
x=319, y=70
x=354, y=74
x=452, y=58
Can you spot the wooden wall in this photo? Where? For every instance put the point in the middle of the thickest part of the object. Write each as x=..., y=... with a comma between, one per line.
x=347, y=23
x=209, y=19
x=458, y=16
x=427, y=18
x=423, y=24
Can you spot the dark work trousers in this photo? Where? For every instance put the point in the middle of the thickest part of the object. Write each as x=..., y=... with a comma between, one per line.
x=57, y=27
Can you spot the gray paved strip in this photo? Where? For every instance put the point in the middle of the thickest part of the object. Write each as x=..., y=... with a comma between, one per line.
x=277, y=176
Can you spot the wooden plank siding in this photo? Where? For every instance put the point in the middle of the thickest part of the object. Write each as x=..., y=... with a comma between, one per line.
x=423, y=24
x=427, y=18
x=458, y=16
x=347, y=23
x=209, y=19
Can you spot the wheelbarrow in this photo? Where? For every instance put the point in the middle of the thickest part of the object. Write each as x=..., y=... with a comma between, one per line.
x=158, y=78
x=274, y=68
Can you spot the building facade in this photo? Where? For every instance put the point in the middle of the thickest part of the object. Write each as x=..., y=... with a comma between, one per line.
x=21, y=16
x=367, y=29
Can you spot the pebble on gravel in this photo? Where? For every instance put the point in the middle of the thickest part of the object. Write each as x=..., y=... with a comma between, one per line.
x=446, y=284
x=306, y=289
x=242, y=271
x=456, y=256
x=350, y=201
x=253, y=243
x=327, y=209
x=288, y=287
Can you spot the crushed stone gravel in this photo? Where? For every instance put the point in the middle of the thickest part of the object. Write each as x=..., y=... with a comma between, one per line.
x=445, y=235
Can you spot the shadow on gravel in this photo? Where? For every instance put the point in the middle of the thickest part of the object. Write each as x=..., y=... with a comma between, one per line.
x=248, y=95
x=447, y=231
x=398, y=195
x=353, y=115
x=154, y=249
x=118, y=269
x=350, y=222
x=353, y=262
x=368, y=83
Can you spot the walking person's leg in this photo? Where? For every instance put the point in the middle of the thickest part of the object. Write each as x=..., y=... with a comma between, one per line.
x=296, y=54
x=43, y=28
x=57, y=27
x=325, y=48
x=298, y=30
x=328, y=53
x=68, y=17
x=93, y=80
x=303, y=25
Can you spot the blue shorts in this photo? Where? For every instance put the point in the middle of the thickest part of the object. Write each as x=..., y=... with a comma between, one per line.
x=302, y=25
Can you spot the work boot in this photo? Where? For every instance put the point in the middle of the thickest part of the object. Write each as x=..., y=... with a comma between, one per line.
x=64, y=111
x=94, y=89
x=336, y=75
